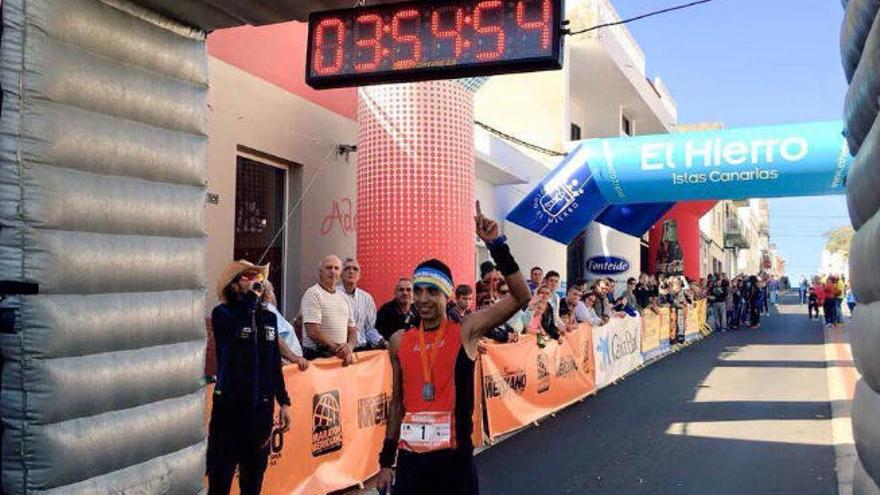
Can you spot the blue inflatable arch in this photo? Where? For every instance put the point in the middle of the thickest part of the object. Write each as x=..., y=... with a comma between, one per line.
x=629, y=183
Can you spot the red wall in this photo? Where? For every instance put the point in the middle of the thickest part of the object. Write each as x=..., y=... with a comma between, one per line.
x=687, y=216
x=277, y=54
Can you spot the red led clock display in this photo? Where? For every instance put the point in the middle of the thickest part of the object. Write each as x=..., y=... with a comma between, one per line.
x=442, y=39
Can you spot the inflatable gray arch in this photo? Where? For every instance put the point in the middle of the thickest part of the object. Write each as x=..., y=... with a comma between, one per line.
x=102, y=185
x=102, y=240
x=860, y=51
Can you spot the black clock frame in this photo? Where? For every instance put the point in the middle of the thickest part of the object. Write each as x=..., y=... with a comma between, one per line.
x=554, y=61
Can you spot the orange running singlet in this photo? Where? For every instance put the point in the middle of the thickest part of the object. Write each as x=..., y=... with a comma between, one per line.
x=452, y=375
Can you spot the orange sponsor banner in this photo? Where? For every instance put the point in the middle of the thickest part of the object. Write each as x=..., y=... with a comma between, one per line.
x=338, y=418
x=667, y=330
x=650, y=332
x=523, y=382
x=692, y=321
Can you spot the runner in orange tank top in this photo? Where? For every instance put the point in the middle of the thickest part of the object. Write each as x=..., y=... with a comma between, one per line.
x=430, y=421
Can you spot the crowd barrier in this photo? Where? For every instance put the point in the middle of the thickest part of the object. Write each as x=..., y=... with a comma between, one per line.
x=339, y=413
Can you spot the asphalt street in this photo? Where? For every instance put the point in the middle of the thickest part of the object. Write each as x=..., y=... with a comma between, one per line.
x=743, y=412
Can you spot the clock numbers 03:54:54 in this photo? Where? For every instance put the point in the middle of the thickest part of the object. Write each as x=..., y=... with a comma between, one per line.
x=477, y=30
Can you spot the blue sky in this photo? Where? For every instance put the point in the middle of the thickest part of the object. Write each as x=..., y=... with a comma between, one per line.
x=749, y=63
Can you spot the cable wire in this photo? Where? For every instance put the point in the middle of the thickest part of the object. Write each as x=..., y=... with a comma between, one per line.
x=302, y=196
x=519, y=141
x=550, y=152
x=639, y=17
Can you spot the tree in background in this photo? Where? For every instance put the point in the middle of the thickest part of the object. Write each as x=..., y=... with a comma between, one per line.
x=838, y=240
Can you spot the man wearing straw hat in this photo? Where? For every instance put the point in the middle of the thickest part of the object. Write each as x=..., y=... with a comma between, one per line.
x=249, y=381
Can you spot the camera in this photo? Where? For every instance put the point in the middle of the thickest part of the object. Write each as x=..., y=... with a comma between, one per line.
x=257, y=287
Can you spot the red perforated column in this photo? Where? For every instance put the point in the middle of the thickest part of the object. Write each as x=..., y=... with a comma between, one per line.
x=415, y=182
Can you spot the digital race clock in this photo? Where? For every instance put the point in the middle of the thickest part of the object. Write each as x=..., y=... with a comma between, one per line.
x=440, y=39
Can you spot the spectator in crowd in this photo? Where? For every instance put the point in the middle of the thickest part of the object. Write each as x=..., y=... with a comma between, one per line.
x=839, y=294
x=728, y=302
x=830, y=301
x=363, y=307
x=612, y=287
x=327, y=316
x=755, y=302
x=718, y=300
x=601, y=305
x=630, y=304
x=534, y=315
x=678, y=304
x=813, y=302
x=573, y=306
x=540, y=315
x=398, y=313
x=461, y=306
x=515, y=323
x=738, y=303
x=764, y=296
x=536, y=278
x=508, y=331
x=593, y=318
x=803, y=289
x=819, y=289
x=249, y=381
x=643, y=292
x=773, y=286
x=487, y=286
x=291, y=350
x=551, y=280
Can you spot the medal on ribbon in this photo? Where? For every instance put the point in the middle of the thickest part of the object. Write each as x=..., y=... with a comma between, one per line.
x=428, y=359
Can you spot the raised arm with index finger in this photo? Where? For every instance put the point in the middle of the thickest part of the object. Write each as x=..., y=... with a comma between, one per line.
x=481, y=322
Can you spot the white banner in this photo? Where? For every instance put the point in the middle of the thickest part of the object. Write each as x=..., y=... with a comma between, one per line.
x=610, y=253
x=617, y=349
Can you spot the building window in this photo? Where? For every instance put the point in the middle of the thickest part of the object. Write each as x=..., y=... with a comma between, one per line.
x=626, y=125
x=575, y=132
x=260, y=212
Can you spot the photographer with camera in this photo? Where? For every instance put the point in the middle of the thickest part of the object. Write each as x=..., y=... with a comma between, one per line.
x=249, y=381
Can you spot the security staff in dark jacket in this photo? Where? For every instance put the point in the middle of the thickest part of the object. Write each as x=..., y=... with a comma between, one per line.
x=249, y=381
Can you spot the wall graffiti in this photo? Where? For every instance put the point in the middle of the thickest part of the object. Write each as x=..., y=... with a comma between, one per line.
x=341, y=216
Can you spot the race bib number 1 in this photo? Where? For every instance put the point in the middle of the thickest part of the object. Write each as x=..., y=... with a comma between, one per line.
x=426, y=431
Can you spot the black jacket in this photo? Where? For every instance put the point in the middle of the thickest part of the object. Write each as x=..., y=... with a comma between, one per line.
x=390, y=319
x=248, y=353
